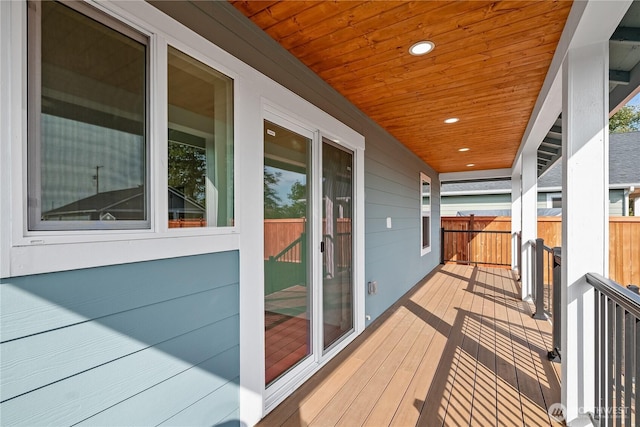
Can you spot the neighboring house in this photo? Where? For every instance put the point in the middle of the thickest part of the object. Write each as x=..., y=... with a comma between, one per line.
x=494, y=197
x=124, y=204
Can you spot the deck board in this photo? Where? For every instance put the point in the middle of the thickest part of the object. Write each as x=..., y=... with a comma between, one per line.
x=459, y=349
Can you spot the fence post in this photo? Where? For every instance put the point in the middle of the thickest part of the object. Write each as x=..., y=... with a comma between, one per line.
x=556, y=315
x=442, y=245
x=470, y=238
x=538, y=291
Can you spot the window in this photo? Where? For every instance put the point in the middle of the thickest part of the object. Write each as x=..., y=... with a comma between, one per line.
x=87, y=121
x=554, y=200
x=200, y=161
x=89, y=150
x=425, y=213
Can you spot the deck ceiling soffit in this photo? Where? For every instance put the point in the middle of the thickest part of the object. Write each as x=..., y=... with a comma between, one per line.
x=624, y=81
x=488, y=66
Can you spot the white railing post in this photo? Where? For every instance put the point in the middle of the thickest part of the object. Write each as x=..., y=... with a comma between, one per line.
x=529, y=218
x=516, y=216
x=585, y=199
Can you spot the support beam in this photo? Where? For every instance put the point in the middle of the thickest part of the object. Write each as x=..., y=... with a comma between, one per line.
x=626, y=35
x=585, y=215
x=622, y=94
x=516, y=216
x=529, y=218
x=619, y=77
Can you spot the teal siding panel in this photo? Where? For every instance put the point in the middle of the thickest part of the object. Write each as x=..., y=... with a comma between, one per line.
x=69, y=350
x=121, y=337
x=32, y=304
x=87, y=393
x=231, y=420
x=165, y=400
x=208, y=409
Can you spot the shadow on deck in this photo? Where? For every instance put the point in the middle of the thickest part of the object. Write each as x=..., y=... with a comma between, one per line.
x=459, y=349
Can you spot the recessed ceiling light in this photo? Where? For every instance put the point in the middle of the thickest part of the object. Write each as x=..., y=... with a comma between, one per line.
x=452, y=120
x=421, y=48
x=464, y=149
x=470, y=165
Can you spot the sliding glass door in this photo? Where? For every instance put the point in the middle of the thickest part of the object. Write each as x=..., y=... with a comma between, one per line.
x=308, y=248
x=287, y=269
x=337, y=265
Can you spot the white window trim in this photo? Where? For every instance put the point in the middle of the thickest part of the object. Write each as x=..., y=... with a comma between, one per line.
x=425, y=250
x=24, y=251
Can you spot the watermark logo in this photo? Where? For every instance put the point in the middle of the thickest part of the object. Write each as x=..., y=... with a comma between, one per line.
x=557, y=412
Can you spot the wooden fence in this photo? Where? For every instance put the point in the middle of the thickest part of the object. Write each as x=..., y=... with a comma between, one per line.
x=280, y=233
x=477, y=248
x=624, y=240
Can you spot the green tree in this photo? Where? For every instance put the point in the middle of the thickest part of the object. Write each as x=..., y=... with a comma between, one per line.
x=272, y=202
x=298, y=198
x=187, y=171
x=626, y=119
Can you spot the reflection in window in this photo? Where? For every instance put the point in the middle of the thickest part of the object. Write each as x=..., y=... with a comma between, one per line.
x=200, y=146
x=87, y=121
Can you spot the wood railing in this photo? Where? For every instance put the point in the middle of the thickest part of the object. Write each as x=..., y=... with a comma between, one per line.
x=280, y=233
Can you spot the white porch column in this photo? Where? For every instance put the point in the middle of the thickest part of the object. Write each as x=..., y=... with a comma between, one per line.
x=516, y=213
x=529, y=217
x=585, y=227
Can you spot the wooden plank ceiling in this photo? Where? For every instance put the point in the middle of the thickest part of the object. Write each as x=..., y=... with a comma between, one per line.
x=487, y=68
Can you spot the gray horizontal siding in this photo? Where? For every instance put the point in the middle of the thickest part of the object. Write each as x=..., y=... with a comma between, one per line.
x=392, y=255
x=451, y=205
x=616, y=203
x=130, y=344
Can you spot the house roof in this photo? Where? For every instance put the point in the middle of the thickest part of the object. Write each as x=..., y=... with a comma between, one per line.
x=122, y=202
x=127, y=198
x=624, y=163
x=624, y=170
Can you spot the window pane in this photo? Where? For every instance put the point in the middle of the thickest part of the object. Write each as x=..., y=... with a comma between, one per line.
x=425, y=211
x=87, y=130
x=337, y=235
x=426, y=228
x=426, y=196
x=200, y=165
x=287, y=239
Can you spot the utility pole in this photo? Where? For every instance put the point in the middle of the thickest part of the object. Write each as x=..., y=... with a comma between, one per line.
x=97, y=178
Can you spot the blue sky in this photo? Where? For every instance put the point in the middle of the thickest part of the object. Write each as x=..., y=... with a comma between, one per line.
x=635, y=101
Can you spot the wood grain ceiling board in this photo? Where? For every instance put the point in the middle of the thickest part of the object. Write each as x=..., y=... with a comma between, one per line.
x=487, y=68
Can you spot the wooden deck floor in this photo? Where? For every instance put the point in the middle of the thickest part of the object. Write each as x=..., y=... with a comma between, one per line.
x=460, y=349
